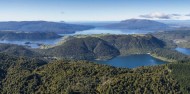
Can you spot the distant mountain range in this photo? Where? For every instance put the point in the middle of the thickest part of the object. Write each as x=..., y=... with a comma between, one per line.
x=140, y=24
x=43, y=26
x=10, y=35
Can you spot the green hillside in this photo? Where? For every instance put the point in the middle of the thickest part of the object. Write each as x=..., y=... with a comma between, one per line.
x=25, y=75
x=134, y=44
x=26, y=71
x=17, y=50
x=180, y=38
x=104, y=47
x=83, y=48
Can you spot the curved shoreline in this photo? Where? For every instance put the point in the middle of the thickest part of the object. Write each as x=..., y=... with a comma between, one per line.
x=162, y=58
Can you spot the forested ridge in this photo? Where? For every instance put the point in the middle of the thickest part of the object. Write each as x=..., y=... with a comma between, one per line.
x=26, y=71
x=29, y=75
x=17, y=50
x=180, y=38
x=170, y=55
x=104, y=47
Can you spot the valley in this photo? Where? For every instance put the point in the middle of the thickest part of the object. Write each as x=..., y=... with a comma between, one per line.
x=94, y=62
x=94, y=47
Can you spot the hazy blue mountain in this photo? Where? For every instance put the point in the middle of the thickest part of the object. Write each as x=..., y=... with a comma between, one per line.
x=43, y=26
x=7, y=35
x=141, y=24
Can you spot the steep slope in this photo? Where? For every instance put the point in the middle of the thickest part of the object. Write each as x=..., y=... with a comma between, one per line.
x=178, y=37
x=133, y=44
x=83, y=48
x=141, y=24
x=42, y=26
x=104, y=47
x=17, y=50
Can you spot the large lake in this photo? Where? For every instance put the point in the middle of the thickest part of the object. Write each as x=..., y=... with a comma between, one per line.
x=99, y=30
x=112, y=31
x=183, y=50
x=32, y=44
x=132, y=61
x=35, y=44
x=124, y=62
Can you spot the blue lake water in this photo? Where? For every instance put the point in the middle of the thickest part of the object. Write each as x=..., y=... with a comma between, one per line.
x=112, y=31
x=183, y=50
x=33, y=44
x=132, y=61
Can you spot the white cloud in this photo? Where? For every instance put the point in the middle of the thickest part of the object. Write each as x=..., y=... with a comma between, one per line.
x=187, y=15
x=159, y=15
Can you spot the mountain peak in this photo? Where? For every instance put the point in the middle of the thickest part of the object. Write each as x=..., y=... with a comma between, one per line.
x=141, y=24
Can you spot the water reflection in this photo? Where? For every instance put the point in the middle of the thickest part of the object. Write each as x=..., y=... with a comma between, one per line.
x=132, y=61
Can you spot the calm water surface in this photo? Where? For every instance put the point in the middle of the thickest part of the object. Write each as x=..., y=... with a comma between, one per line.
x=132, y=61
x=35, y=44
x=183, y=50
x=112, y=31
x=32, y=44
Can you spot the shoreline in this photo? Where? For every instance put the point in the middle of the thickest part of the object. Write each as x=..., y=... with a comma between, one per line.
x=162, y=58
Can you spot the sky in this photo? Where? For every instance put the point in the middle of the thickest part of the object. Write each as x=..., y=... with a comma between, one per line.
x=93, y=10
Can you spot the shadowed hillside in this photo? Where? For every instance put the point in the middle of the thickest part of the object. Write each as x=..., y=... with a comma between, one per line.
x=17, y=50
x=104, y=47
x=133, y=44
x=83, y=48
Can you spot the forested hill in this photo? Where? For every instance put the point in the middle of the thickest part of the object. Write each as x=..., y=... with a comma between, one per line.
x=132, y=44
x=179, y=37
x=24, y=71
x=16, y=50
x=42, y=26
x=104, y=47
x=88, y=48
x=27, y=75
